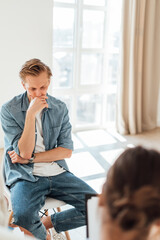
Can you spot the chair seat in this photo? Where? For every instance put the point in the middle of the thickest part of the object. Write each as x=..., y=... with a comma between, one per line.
x=52, y=203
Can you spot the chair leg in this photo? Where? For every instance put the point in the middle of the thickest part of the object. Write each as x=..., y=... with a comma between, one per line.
x=46, y=212
x=67, y=235
x=58, y=209
x=10, y=218
x=66, y=232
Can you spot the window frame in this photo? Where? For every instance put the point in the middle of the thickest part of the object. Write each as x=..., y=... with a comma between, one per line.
x=77, y=89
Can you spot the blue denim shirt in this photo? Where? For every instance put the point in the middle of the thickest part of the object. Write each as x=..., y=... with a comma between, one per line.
x=56, y=133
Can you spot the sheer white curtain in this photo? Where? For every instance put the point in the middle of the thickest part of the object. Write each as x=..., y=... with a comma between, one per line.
x=140, y=66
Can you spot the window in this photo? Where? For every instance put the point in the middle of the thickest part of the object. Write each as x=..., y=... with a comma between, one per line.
x=86, y=41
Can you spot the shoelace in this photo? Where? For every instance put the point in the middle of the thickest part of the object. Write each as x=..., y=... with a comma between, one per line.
x=57, y=236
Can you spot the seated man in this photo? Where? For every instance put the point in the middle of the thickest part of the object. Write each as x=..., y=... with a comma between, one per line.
x=37, y=139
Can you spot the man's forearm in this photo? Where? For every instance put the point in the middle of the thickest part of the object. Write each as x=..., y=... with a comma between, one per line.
x=26, y=143
x=53, y=155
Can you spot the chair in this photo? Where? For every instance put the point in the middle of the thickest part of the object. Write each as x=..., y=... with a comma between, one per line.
x=50, y=203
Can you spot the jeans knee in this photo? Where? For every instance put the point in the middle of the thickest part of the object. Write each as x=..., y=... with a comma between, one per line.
x=22, y=217
x=31, y=222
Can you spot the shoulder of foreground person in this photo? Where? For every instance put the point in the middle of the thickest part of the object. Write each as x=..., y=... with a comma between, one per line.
x=7, y=234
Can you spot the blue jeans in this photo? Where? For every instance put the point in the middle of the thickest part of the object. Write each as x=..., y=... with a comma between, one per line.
x=29, y=197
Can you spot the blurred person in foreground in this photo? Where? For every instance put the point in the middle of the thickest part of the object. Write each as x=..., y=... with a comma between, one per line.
x=130, y=199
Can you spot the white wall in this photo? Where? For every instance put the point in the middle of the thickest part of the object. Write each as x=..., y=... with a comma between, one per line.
x=25, y=33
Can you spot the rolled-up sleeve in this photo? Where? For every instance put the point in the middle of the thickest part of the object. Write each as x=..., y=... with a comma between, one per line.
x=11, y=129
x=65, y=137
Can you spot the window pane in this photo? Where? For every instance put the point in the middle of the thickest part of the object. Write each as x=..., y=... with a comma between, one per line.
x=62, y=69
x=111, y=108
x=89, y=110
x=63, y=27
x=93, y=25
x=91, y=69
x=65, y=1
x=114, y=26
x=94, y=2
x=113, y=69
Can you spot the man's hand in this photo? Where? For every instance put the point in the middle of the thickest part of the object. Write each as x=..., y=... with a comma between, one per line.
x=37, y=104
x=15, y=158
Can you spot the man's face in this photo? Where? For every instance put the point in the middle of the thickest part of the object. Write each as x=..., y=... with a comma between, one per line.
x=36, y=86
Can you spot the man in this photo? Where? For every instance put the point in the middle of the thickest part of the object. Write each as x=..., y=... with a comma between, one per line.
x=37, y=139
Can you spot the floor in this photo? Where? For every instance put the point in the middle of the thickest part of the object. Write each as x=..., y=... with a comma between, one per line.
x=95, y=151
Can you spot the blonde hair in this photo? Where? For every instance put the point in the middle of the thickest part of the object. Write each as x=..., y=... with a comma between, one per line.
x=34, y=67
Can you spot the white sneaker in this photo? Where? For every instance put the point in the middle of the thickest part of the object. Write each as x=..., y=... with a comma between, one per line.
x=57, y=236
